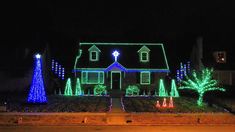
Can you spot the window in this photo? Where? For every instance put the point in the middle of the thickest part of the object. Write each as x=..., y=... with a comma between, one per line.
x=144, y=57
x=145, y=78
x=144, y=54
x=93, y=56
x=220, y=56
x=92, y=77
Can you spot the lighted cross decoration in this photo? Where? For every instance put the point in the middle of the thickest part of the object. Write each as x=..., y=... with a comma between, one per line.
x=115, y=54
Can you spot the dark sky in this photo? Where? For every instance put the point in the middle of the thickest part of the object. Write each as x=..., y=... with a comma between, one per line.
x=177, y=24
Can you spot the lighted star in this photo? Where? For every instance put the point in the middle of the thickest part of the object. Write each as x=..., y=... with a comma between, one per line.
x=38, y=56
x=115, y=54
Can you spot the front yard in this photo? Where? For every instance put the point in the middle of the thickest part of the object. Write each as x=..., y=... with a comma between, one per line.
x=181, y=105
x=59, y=103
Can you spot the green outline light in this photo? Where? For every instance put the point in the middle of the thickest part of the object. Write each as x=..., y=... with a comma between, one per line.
x=162, y=90
x=141, y=78
x=68, y=88
x=120, y=79
x=85, y=79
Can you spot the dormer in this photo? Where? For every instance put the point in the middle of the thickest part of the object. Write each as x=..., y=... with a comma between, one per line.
x=144, y=52
x=94, y=53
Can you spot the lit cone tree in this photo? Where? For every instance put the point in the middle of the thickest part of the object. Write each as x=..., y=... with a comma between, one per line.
x=68, y=88
x=174, y=91
x=201, y=82
x=162, y=90
x=78, y=90
x=37, y=90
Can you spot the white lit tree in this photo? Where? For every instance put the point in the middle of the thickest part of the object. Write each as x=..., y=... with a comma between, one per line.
x=201, y=82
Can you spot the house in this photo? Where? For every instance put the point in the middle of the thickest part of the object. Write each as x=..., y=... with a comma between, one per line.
x=117, y=65
x=218, y=57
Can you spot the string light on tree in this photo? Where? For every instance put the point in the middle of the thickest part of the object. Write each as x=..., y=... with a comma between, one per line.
x=78, y=90
x=37, y=92
x=201, y=82
x=68, y=88
x=174, y=91
x=162, y=90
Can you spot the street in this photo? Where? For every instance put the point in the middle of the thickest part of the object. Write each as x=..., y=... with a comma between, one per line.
x=160, y=128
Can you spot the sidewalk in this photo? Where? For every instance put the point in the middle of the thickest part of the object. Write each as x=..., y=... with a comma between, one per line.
x=116, y=106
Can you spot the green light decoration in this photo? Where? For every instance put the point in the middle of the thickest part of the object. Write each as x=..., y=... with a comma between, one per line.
x=162, y=90
x=201, y=82
x=99, y=89
x=174, y=91
x=132, y=90
x=68, y=89
x=78, y=90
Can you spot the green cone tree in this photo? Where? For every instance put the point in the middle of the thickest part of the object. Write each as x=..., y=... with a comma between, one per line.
x=201, y=82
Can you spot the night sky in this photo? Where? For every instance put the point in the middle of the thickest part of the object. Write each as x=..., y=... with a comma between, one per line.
x=62, y=25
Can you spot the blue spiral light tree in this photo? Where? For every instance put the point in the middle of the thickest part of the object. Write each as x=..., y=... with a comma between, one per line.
x=37, y=92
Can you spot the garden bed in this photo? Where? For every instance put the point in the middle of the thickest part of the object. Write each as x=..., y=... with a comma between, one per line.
x=181, y=105
x=60, y=103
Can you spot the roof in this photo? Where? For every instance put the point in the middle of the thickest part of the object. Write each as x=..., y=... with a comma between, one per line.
x=128, y=58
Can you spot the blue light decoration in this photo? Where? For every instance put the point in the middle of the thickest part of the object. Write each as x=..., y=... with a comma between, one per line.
x=182, y=71
x=115, y=54
x=62, y=74
x=56, y=67
x=59, y=71
x=53, y=65
x=37, y=90
x=185, y=70
x=178, y=75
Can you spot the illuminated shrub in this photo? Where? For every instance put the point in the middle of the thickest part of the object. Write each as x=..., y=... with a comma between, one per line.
x=99, y=89
x=132, y=90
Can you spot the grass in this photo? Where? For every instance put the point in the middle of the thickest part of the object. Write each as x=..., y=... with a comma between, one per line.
x=181, y=105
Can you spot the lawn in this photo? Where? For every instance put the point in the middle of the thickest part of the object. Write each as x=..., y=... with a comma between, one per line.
x=58, y=103
x=181, y=105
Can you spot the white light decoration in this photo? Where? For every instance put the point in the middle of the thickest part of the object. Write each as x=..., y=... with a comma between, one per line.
x=52, y=65
x=56, y=67
x=115, y=54
x=62, y=76
x=38, y=56
x=59, y=71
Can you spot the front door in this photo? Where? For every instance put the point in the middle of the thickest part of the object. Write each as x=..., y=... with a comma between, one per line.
x=115, y=80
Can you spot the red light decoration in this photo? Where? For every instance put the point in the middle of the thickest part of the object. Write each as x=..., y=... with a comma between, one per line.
x=158, y=104
x=171, y=104
x=164, y=103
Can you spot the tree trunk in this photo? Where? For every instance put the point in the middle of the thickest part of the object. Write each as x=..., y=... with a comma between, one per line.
x=200, y=99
